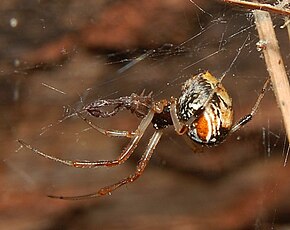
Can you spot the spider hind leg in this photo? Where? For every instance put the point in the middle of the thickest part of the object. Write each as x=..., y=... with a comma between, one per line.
x=138, y=172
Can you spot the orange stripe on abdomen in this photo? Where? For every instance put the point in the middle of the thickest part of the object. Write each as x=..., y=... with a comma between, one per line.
x=202, y=128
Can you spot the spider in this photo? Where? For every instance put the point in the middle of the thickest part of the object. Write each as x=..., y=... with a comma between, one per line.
x=203, y=112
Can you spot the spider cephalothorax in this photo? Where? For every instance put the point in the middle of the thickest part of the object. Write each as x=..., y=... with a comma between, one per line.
x=203, y=112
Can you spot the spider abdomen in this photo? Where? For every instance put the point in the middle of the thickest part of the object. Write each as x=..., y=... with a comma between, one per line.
x=206, y=108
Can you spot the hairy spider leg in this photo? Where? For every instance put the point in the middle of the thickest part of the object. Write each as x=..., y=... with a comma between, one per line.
x=138, y=172
x=244, y=120
x=126, y=153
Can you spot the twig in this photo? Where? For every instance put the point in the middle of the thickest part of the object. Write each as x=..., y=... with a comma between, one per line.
x=259, y=6
x=275, y=65
x=287, y=25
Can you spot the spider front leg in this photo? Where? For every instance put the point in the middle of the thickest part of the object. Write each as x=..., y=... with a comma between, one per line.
x=107, y=132
x=139, y=170
x=126, y=153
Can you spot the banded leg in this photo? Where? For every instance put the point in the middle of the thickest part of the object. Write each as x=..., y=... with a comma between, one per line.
x=126, y=153
x=139, y=170
x=244, y=120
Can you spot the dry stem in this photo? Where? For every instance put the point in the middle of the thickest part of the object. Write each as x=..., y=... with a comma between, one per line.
x=275, y=65
x=259, y=6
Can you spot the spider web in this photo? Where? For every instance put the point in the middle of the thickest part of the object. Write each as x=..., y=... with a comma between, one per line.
x=41, y=87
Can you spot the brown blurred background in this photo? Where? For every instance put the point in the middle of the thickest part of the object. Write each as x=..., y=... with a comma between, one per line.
x=90, y=50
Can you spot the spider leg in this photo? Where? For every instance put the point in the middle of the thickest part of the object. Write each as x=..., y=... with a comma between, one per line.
x=139, y=170
x=244, y=120
x=35, y=150
x=107, y=132
x=126, y=153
